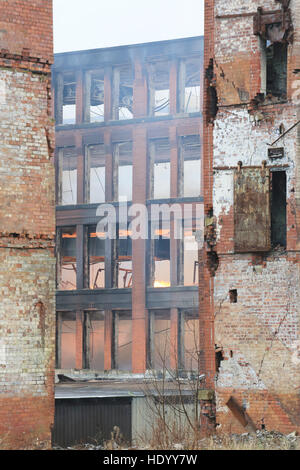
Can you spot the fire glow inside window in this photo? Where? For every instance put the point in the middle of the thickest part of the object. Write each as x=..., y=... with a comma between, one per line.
x=67, y=340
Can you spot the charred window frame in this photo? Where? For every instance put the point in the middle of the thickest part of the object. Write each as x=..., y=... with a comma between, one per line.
x=159, y=340
x=159, y=257
x=190, y=340
x=95, y=161
x=159, y=169
x=188, y=255
x=95, y=259
x=122, y=93
x=65, y=340
x=65, y=99
x=189, y=83
x=123, y=259
x=159, y=88
x=189, y=166
x=93, y=340
x=94, y=96
x=122, y=171
x=67, y=176
x=122, y=340
x=67, y=258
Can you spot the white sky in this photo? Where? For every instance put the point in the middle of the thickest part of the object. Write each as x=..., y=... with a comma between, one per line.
x=92, y=24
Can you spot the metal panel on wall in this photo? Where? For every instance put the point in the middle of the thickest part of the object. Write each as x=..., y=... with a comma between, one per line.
x=252, y=220
x=90, y=420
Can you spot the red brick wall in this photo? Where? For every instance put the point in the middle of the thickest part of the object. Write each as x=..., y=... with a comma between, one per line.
x=27, y=231
x=259, y=334
x=26, y=24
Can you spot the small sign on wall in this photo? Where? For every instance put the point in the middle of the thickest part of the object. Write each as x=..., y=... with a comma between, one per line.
x=276, y=152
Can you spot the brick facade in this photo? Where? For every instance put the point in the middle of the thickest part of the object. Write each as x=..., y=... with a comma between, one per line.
x=27, y=311
x=258, y=333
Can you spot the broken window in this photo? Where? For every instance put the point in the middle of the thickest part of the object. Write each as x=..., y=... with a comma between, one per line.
x=276, y=55
x=191, y=341
x=123, y=332
x=94, y=340
x=190, y=167
x=161, y=340
x=124, y=260
x=159, y=175
x=67, y=259
x=94, y=96
x=122, y=93
x=278, y=208
x=252, y=220
x=160, y=259
x=123, y=165
x=96, y=171
x=66, y=340
x=276, y=67
x=69, y=99
x=275, y=29
x=189, y=85
x=159, y=89
x=96, y=258
x=67, y=180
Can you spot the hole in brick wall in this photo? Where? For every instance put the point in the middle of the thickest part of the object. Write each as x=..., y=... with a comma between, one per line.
x=219, y=356
x=233, y=296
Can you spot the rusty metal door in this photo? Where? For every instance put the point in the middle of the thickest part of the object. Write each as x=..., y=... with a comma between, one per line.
x=252, y=219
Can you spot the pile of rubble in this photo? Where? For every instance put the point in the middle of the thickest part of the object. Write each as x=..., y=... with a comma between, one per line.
x=258, y=440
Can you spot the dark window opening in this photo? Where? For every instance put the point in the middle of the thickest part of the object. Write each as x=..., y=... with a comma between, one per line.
x=233, y=296
x=219, y=356
x=277, y=69
x=278, y=209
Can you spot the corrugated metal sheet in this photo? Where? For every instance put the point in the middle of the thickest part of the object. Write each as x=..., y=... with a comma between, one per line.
x=146, y=413
x=90, y=420
x=252, y=219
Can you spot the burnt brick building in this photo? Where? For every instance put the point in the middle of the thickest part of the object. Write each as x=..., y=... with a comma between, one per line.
x=27, y=230
x=128, y=128
x=251, y=194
